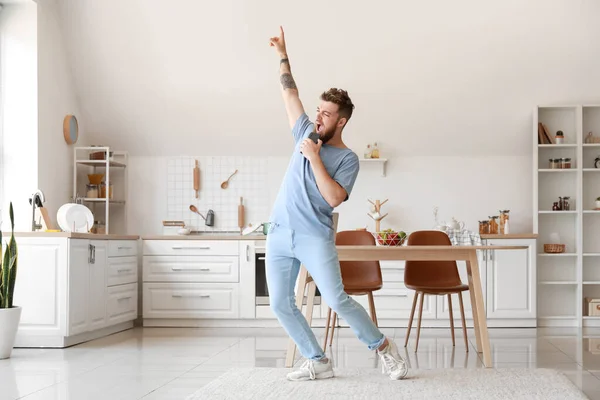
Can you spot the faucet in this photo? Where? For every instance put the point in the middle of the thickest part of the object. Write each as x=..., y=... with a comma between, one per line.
x=36, y=200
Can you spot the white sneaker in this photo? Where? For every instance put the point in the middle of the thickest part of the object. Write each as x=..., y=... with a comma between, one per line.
x=311, y=370
x=392, y=363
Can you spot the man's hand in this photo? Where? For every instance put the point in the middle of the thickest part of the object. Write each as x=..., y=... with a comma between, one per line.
x=310, y=150
x=279, y=42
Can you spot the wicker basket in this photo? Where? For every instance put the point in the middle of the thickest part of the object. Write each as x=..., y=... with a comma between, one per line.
x=554, y=248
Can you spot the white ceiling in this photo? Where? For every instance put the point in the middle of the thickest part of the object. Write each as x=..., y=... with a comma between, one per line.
x=438, y=77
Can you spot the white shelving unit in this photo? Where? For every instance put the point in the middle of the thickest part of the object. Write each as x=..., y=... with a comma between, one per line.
x=566, y=279
x=115, y=164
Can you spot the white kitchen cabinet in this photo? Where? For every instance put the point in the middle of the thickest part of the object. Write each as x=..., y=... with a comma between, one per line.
x=511, y=280
x=63, y=287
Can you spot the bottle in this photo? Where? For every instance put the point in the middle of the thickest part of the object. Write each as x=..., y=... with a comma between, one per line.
x=375, y=152
x=368, y=151
x=506, y=230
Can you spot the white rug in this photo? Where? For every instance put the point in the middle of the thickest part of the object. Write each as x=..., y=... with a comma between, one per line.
x=446, y=384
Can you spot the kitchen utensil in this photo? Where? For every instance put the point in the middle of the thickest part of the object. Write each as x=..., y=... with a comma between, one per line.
x=193, y=208
x=209, y=220
x=75, y=218
x=196, y=178
x=226, y=183
x=241, y=214
x=183, y=231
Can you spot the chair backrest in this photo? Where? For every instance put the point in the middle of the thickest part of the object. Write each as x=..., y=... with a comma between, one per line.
x=364, y=275
x=430, y=273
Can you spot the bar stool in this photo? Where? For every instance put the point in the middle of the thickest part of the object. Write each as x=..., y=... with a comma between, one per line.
x=436, y=278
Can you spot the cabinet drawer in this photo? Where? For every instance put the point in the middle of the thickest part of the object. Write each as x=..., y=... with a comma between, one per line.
x=122, y=248
x=121, y=303
x=191, y=247
x=122, y=270
x=191, y=269
x=191, y=300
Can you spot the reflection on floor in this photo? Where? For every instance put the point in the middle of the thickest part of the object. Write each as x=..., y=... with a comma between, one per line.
x=171, y=363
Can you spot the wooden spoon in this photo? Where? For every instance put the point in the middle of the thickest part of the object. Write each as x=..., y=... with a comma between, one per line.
x=226, y=183
x=193, y=208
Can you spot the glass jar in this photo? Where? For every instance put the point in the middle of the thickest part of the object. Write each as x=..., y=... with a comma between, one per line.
x=555, y=206
x=484, y=227
x=567, y=163
x=103, y=190
x=566, y=206
x=503, y=221
x=493, y=230
x=552, y=164
x=99, y=228
x=91, y=191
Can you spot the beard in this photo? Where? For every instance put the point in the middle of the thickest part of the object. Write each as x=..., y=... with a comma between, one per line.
x=326, y=135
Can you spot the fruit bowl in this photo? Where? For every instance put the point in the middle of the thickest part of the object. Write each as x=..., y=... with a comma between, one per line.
x=390, y=237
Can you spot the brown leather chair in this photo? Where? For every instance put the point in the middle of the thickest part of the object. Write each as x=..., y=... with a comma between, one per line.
x=436, y=278
x=359, y=277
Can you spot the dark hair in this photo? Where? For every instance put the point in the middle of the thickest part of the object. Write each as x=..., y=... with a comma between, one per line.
x=341, y=98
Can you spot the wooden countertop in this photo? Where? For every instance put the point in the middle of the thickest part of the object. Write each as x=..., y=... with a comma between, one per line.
x=73, y=235
x=206, y=236
x=511, y=236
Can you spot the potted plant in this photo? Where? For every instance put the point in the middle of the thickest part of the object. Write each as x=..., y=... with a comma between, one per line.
x=10, y=315
x=597, y=203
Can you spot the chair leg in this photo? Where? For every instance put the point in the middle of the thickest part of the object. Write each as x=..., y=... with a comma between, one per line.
x=372, y=307
x=410, y=321
x=464, y=324
x=419, y=325
x=451, y=318
x=327, y=324
x=333, y=328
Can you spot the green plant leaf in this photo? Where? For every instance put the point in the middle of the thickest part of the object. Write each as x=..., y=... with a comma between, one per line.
x=5, y=277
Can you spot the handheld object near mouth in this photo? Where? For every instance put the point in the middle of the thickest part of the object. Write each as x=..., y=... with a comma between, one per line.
x=314, y=136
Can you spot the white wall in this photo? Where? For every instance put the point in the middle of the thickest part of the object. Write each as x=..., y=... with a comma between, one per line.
x=18, y=55
x=57, y=98
x=446, y=88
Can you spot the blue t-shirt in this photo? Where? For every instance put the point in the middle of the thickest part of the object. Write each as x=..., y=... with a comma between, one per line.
x=299, y=204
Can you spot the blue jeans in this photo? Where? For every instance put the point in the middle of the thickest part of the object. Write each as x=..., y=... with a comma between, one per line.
x=286, y=250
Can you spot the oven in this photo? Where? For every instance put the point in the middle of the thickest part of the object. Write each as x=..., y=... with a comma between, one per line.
x=260, y=286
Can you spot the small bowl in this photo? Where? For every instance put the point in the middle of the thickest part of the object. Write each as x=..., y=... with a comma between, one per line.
x=183, y=231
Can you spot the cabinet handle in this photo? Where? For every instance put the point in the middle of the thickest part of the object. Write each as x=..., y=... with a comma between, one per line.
x=124, y=247
x=89, y=253
x=93, y=254
x=123, y=270
x=248, y=253
x=203, y=296
x=262, y=258
x=191, y=247
x=189, y=269
x=123, y=298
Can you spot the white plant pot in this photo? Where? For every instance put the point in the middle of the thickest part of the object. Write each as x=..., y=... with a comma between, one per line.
x=9, y=323
x=598, y=204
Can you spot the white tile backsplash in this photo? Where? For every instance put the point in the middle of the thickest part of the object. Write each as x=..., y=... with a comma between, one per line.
x=250, y=183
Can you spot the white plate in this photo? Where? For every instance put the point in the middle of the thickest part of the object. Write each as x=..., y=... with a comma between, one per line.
x=73, y=217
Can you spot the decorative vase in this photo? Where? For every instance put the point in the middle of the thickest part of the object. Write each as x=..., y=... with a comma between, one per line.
x=9, y=324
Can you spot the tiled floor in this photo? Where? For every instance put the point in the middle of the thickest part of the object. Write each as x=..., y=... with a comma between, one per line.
x=171, y=363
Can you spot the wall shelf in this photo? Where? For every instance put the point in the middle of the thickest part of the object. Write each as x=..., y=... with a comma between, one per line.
x=115, y=173
x=379, y=161
x=568, y=277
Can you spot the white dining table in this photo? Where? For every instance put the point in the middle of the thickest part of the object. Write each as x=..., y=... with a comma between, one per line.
x=418, y=253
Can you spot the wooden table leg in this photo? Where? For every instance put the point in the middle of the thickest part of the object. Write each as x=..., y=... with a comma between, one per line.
x=477, y=304
x=291, y=350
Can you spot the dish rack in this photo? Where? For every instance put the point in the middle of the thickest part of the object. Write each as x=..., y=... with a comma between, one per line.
x=113, y=165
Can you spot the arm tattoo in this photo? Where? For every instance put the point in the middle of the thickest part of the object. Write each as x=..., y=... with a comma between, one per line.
x=284, y=60
x=287, y=81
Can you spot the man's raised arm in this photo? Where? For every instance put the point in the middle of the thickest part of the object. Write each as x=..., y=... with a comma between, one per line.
x=289, y=91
